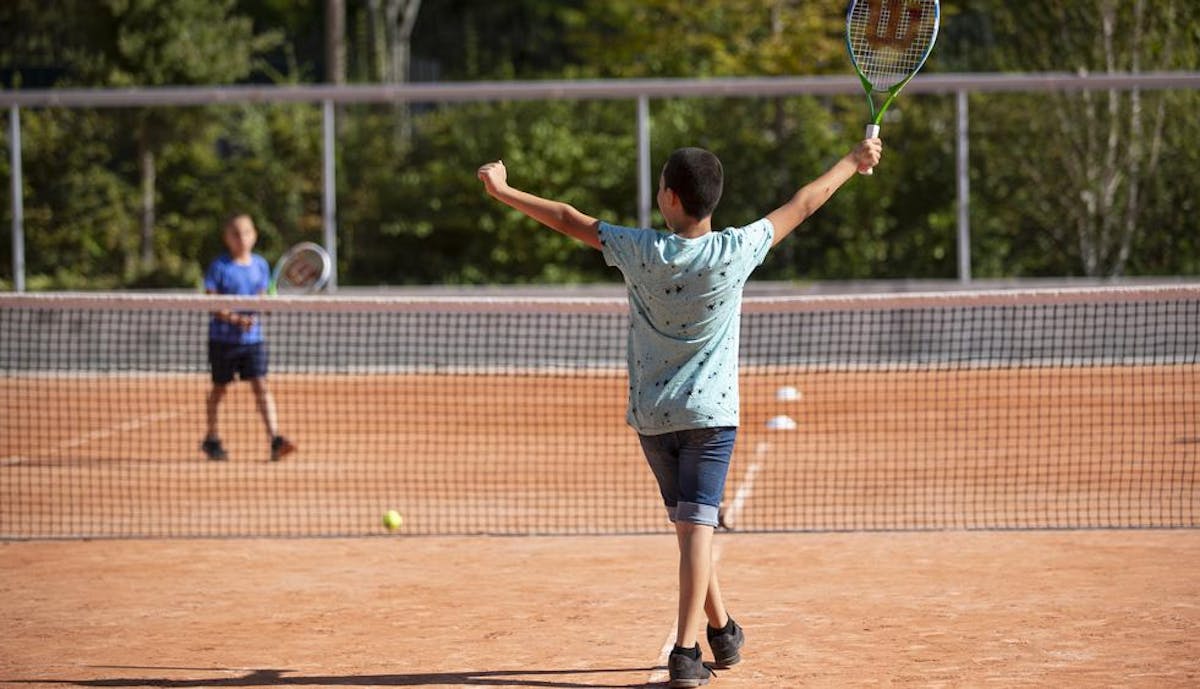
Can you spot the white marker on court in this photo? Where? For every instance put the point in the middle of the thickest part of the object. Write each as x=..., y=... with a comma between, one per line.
x=787, y=394
x=781, y=423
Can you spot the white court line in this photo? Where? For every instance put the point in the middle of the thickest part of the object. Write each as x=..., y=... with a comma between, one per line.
x=659, y=676
x=130, y=425
x=740, y=496
x=133, y=424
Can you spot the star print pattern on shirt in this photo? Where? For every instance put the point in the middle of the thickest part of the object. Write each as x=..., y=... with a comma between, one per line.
x=685, y=299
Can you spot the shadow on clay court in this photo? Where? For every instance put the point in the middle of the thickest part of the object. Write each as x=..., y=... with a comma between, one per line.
x=279, y=678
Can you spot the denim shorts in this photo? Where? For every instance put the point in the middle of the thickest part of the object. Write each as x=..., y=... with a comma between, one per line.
x=690, y=467
x=247, y=361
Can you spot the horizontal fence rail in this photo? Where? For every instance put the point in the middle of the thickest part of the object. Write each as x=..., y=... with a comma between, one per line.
x=603, y=89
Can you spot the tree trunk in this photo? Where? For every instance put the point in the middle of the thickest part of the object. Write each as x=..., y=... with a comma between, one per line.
x=401, y=18
x=146, y=166
x=377, y=67
x=1136, y=153
x=335, y=41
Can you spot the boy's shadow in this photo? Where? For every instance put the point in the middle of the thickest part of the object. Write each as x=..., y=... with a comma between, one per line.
x=281, y=678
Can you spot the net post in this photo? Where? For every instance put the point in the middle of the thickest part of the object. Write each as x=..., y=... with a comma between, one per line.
x=643, y=136
x=962, y=171
x=18, y=203
x=329, y=191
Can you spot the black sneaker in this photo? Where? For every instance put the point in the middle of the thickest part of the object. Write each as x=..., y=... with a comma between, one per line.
x=280, y=448
x=211, y=447
x=686, y=671
x=726, y=644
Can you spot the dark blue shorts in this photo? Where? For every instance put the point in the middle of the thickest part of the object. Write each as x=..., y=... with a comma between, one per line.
x=690, y=467
x=247, y=361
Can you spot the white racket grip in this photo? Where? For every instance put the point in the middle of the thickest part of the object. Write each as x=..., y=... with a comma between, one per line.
x=872, y=133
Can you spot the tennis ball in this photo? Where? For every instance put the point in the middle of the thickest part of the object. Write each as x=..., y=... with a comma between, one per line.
x=392, y=520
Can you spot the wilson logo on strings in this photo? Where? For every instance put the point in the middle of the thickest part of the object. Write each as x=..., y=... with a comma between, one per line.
x=887, y=34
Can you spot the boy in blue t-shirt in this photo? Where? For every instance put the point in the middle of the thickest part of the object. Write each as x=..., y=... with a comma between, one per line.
x=685, y=296
x=235, y=340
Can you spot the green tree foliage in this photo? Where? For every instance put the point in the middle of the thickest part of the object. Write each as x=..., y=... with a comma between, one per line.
x=1088, y=183
x=700, y=38
x=423, y=219
x=134, y=203
x=156, y=43
x=470, y=39
x=78, y=206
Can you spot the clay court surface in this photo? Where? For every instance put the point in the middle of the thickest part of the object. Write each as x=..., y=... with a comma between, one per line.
x=951, y=609
x=872, y=449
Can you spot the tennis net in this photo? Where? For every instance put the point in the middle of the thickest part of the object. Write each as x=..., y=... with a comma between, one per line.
x=975, y=410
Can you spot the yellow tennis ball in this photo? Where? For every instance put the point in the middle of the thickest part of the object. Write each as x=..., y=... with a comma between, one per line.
x=392, y=520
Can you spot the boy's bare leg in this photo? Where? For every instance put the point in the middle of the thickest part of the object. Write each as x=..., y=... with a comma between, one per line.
x=214, y=402
x=266, y=405
x=714, y=605
x=695, y=579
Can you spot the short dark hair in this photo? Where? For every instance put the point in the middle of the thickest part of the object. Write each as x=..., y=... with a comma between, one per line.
x=229, y=219
x=696, y=176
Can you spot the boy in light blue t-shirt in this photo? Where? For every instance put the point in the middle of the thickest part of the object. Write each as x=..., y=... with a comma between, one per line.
x=685, y=296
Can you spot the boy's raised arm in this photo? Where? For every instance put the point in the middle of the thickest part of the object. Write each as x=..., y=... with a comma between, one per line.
x=553, y=214
x=814, y=194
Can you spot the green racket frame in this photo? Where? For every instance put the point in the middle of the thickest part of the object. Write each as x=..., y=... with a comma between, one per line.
x=872, y=129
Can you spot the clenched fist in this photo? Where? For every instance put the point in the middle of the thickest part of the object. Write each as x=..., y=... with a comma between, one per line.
x=494, y=176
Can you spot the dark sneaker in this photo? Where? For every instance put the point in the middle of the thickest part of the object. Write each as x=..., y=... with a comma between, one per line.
x=280, y=448
x=686, y=671
x=726, y=644
x=211, y=447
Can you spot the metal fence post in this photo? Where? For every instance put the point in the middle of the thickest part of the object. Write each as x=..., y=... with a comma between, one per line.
x=329, y=192
x=643, y=136
x=18, y=202
x=963, y=172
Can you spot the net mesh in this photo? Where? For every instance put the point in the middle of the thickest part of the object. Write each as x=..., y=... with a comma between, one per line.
x=890, y=39
x=976, y=410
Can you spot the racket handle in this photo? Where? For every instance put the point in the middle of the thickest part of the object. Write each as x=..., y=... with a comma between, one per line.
x=872, y=133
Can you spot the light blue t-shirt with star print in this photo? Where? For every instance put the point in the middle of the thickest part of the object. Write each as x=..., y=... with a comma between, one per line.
x=685, y=302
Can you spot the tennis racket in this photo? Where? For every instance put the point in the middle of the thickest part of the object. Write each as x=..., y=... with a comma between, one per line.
x=888, y=42
x=303, y=269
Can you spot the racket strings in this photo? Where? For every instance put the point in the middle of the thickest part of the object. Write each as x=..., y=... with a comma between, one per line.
x=890, y=39
x=302, y=270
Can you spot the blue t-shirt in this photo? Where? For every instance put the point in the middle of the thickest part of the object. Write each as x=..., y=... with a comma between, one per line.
x=225, y=276
x=685, y=299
